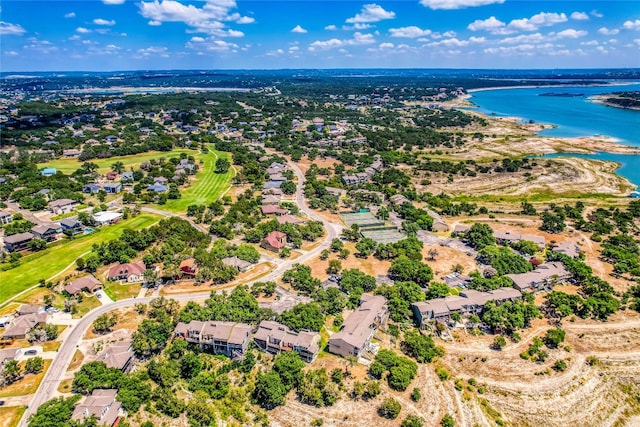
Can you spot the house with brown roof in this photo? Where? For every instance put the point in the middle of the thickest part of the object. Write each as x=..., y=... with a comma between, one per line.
x=188, y=267
x=118, y=355
x=87, y=283
x=274, y=241
x=438, y=223
x=467, y=303
x=130, y=272
x=274, y=337
x=228, y=338
x=543, y=278
x=358, y=329
x=290, y=219
x=103, y=405
x=21, y=325
x=271, y=199
x=273, y=209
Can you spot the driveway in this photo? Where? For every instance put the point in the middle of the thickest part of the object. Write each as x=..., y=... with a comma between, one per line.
x=103, y=297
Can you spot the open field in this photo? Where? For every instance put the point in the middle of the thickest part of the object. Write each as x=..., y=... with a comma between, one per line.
x=207, y=186
x=53, y=261
x=67, y=166
x=10, y=416
x=26, y=385
x=119, y=291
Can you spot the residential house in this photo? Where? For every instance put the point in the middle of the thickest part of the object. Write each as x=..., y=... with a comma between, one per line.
x=130, y=272
x=17, y=242
x=113, y=188
x=5, y=217
x=87, y=284
x=126, y=176
x=272, y=184
x=271, y=199
x=568, y=248
x=71, y=153
x=118, y=355
x=7, y=354
x=228, y=338
x=356, y=178
x=274, y=241
x=72, y=225
x=188, y=267
x=290, y=219
x=106, y=217
x=273, y=209
x=543, y=278
x=272, y=192
x=112, y=176
x=158, y=188
x=439, y=226
x=47, y=233
x=30, y=309
x=62, y=206
x=358, y=329
x=399, y=199
x=238, y=263
x=22, y=324
x=274, y=337
x=91, y=188
x=504, y=237
x=467, y=303
x=101, y=404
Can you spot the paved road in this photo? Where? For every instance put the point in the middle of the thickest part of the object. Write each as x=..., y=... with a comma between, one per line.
x=58, y=367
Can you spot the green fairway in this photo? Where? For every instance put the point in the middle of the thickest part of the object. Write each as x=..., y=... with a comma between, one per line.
x=53, y=260
x=68, y=166
x=207, y=187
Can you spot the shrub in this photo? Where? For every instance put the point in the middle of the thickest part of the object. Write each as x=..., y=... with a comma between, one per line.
x=390, y=408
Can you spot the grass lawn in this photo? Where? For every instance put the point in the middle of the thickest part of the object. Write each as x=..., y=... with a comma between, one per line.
x=68, y=166
x=26, y=385
x=36, y=296
x=117, y=291
x=53, y=260
x=87, y=304
x=78, y=357
x=10, y=416
x=51, y=345
x=207, y=186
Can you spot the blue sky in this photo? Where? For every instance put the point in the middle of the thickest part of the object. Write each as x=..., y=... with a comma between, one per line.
x=108, y=35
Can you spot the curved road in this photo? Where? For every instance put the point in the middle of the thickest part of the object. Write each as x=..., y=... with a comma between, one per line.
x=59, y=365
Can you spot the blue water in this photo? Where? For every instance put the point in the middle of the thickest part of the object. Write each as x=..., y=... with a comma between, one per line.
x=573, y=116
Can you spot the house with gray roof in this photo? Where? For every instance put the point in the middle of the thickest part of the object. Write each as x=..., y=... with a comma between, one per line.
x=543, y=278
x=358, y=329
x=274, y=337
x=101, y=404
x=228, y=338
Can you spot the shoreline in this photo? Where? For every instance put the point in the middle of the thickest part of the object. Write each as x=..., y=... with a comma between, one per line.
x=601, y=100
x=483, y=89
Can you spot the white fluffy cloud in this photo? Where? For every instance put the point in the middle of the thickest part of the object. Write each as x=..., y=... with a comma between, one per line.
x=607, y=32
x=83, y=30
x=542, y=19
x=410, y=32
x=371, y=13
x=209, y=19
x=331, y=27
x=456, y=4
x=579, y=16
x=70, y=15
x=298, y=29
x=571, y=34
x=495, y=26
x=100, y=21
x=162, y=52
x=492, y=25
x=8, y=29
x=632, y=25
x=524, y=39
x=357, y=39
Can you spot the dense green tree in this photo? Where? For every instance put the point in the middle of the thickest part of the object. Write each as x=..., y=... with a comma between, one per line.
x=34, y=365
x=390, y=408
x=405, y=269
x=222, y=165
x=421, y=347
x=303, y=316
x=479, y=236
x=269, y=391
x=288, y=365
x=54, y=413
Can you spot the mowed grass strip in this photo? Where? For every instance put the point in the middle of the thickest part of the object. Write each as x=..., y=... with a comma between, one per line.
x=68, y=166
x=207, y=187
x=53, y=260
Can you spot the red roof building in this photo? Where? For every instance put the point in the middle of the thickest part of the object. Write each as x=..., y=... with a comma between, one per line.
x=188, y=266
x=274, y=241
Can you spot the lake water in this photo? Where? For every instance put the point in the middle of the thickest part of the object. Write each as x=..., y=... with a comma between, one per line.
x=574, y=116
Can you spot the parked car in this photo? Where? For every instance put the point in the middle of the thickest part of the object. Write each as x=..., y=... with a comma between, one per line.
x=31, y=352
